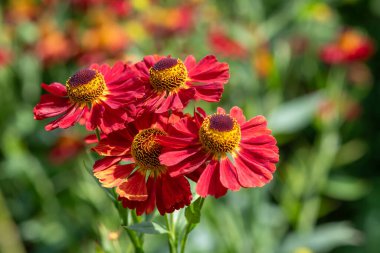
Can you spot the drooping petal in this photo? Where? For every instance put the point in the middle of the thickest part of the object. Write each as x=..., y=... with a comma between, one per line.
x=105, y=163
x=116, y=144
x=170, y=158
x=228, y=175
x=67, y=120
x=211, y=92
x=209, y=70
x=56, y=89
x=115, y=175
x=251, y=173
x=173, y=193
x=134, y=188
x=209, y=182
x=94, y=117
x=146, y=206
x=189, y=164
x=51, y=106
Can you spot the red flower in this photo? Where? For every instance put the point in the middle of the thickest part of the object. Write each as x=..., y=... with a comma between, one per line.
x=136, y=145
x=223, y=45
x=66, y=148
x=350, y=46
x=171, y=83
x=95, y=96
x=229, y=151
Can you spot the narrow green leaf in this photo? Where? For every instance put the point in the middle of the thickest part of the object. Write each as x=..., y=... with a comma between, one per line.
x=148, y=228
x=296, y=114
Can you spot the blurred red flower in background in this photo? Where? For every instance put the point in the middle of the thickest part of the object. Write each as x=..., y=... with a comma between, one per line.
x=223, y=45
x=66, y=148
x=5, y=57
x=350, y=46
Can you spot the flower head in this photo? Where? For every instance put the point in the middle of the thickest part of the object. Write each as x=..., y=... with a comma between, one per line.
x=143, y=183
x=226, y=150
x=98, y=96
x=171, y=83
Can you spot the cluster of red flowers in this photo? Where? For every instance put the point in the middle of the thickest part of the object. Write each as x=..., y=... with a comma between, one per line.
x=150, y=147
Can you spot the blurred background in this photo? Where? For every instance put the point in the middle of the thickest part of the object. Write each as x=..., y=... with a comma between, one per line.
x=311, y=67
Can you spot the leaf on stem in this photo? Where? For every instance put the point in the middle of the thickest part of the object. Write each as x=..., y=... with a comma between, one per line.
x=193, y=212
x=148, y=227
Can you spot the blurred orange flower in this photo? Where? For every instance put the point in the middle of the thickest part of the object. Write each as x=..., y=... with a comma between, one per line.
x=262, y=61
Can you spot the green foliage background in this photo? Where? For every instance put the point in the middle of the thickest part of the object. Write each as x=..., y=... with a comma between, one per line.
x=324, y=197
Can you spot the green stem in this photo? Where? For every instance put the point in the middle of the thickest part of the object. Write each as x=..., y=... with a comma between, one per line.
x=171, y=236
x=97, y=132
x=189, y=228
x=123, y=213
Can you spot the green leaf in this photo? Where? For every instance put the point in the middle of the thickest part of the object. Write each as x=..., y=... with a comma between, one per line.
x=193, y=212
x=296, y=114
x=148, y=228
x=346, y=188
x=324, y=238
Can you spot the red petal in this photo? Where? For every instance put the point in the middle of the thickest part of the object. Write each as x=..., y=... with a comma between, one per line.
x=172, y=102
x=56, y=89
x=209, y=70
x=171, y=157
x=94, y=116
x=260, y=152
x=247, y=177
x=211, y=92
x=115, y=144
x=68, y=120
x=112, y=120
x=209, y=182
x=190, y=164
x=190, y=63
x=220, y=110
x=146, y=206
x=172, y=193
x=237, y=114
x=105, y=163
x=228, y=175
x=115, y=175
x=51, y=106
x=134, y=188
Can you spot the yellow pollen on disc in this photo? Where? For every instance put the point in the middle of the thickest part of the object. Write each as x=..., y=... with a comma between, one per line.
x=220, y=134
x=168, y=75
x=146, y=150
x=86, y=86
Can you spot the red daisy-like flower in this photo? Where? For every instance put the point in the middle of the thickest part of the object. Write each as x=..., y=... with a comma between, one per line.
x=350, y=46
x=99, y=96
x=136, y=146
x=171, y=83
x=228, y=151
